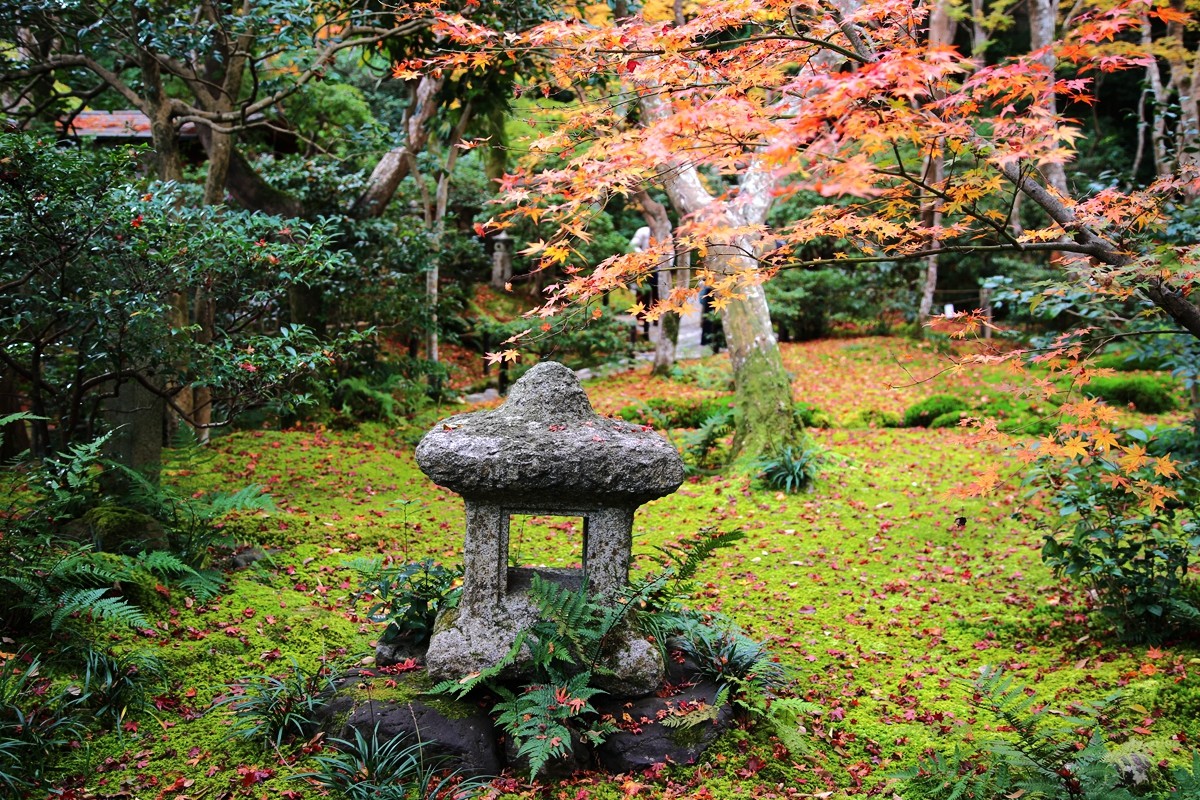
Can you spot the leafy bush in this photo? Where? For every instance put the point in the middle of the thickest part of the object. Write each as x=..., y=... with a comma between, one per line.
x=924, y=412
x=804, y=303
x=667, y=413
x=792, y=468
x=408, y=598
x=703, y=448
x=392, y=769
x=113, y=685
x=93, y=266
x=277, y=708
x=874, y=418
x=1132, y=555
x=950, y=419
x=1147, y=394
x=1134, y=360
x=34, y=723
x=812, y=417
x=572, y=340
x=1049, y=755
x=729, y=657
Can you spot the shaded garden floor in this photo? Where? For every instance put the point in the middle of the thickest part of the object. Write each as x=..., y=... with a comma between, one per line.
x=884, y=593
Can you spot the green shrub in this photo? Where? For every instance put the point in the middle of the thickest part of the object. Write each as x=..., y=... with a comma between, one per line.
x=408, y=598
x=277, y=708
x=1147, y=394
x=923, y=413
x=1134, y=557
x=812, y=417
x=34, y=723
x=704, y=448
x=874, y=418
x=667, y=413
x=950, y=419
x=792, y=468
x=112, y=685
x=1049, y=754
x=1128, y=362
x=729, y=657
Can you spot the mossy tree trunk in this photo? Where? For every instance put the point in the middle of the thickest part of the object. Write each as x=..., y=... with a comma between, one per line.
x=766, y=419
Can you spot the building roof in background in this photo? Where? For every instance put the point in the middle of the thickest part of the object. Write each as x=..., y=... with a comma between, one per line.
x=127, y=124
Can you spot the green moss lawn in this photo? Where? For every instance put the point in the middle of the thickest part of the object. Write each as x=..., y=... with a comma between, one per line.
x=868, y=588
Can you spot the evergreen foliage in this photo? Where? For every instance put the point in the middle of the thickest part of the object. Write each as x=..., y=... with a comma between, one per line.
x=396, y=768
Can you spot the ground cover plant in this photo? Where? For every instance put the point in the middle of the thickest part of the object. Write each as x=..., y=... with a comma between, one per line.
x=879, y=590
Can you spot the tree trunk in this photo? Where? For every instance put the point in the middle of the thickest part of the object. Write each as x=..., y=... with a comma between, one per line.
x=766, y=419
x=395, y=164
x=941, y=35
x=655, y=214
x=1043, y=22
x=441, y=201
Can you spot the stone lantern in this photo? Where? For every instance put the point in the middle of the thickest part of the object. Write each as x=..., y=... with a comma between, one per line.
x=545, y=451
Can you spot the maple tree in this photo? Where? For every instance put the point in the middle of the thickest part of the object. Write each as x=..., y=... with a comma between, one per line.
x=920, y=150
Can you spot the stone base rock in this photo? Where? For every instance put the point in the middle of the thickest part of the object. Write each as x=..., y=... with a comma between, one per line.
x=455, y=729
x=644, y=741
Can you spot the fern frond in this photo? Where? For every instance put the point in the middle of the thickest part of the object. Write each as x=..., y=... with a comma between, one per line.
x=162, y=563
x=688, y=558
x=706, y=713
x=35, y=591
x=82, y=567
x=93, y=602
x=203, y=585
x=248, y=498
x=458, y=689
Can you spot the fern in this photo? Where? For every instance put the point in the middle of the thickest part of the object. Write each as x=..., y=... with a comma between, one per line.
x=680, y=564
x=93, y=603
x=957, y=776
x=248, y=498
x=537, y=719
x=82, y=568
x=785, y=715
x=200, y=584
x=709, y=712
x=203, y=585
x=570, y=629
x=699, y=446
x=1042, y=759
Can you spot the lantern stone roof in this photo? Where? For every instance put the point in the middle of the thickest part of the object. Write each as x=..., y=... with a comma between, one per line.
x=545, y=446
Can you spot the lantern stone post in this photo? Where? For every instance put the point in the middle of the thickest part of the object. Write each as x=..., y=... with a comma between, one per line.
x=545, y=451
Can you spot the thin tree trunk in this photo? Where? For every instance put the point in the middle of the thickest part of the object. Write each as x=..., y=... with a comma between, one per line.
x=765, y=413
x=941, y=35
x=655, y=214
x=1043, y=23
x=441, y=202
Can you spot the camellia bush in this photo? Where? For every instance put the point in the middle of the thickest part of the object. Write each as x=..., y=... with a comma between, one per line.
x=106, y=283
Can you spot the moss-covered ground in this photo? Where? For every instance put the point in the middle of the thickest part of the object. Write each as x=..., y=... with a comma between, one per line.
x=869, y=588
